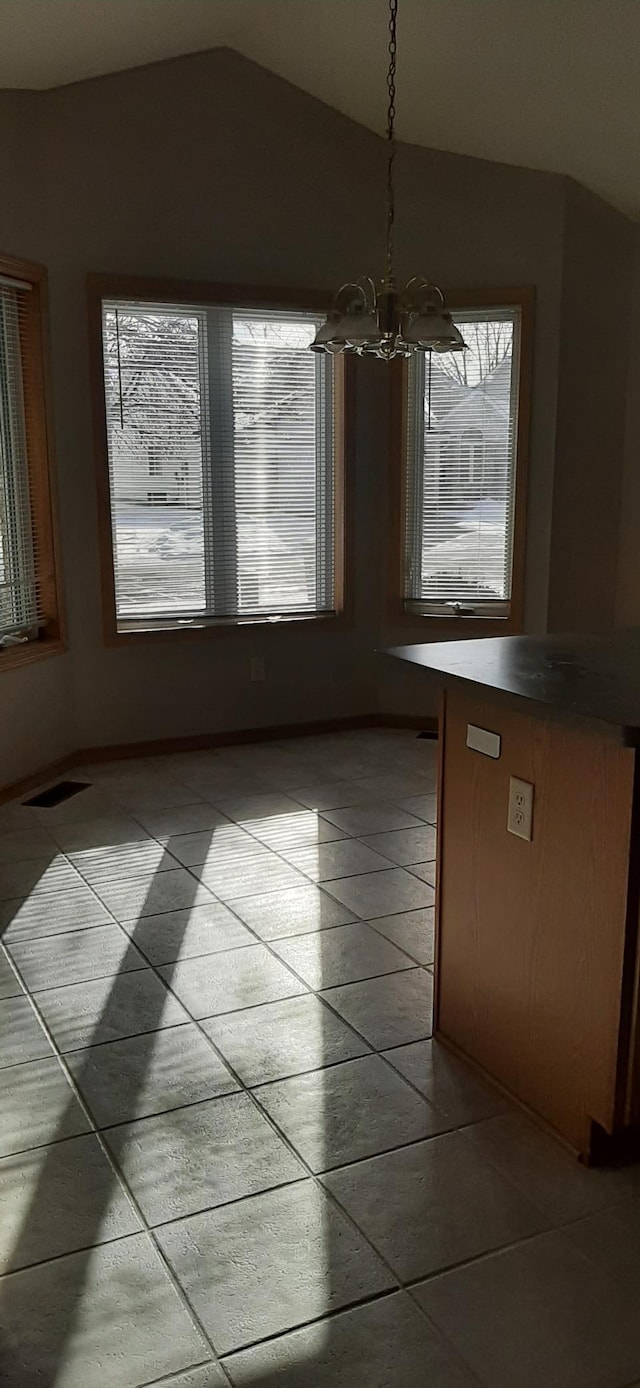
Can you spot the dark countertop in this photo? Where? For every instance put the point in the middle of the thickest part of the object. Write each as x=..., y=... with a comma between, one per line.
x=592, y=678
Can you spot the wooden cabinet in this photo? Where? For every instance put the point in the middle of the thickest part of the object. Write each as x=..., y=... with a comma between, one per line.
x=536, y=966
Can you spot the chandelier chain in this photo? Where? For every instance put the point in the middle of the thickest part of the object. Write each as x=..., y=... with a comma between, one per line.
x=376, y=319
x=391, y=139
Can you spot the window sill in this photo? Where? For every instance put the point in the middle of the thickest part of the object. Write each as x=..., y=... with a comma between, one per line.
x=206, y=630
x=13, y=657
x=450, y=628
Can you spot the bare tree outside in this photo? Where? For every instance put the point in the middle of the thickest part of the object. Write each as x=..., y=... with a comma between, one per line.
x=488, y=344
x=215, y=428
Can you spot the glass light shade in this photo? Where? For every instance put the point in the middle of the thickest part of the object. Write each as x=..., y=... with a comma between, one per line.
x=351, y=324
x=432, y=330
x=362, y=328
x=330, y=334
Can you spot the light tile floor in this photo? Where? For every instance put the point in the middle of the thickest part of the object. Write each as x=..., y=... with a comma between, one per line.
x=230, y=1151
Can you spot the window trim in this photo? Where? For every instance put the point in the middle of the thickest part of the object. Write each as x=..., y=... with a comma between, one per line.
x=42, y=469
x=432, y=625
x=100, y=287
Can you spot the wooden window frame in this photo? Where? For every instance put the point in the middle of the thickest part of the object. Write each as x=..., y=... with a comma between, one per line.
x=101, y=287
x=432, y=626
x=41, y=461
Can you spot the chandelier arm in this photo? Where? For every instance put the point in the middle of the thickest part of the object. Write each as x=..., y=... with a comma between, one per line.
x=348, y=295
x=391, y=139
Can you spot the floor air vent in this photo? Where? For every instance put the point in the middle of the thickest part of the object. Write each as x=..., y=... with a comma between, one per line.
x=46, y=799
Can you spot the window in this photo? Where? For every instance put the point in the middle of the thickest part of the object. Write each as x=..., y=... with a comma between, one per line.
x=472, y=455
x=28, y=599
x=463, y=471
x=223, y=448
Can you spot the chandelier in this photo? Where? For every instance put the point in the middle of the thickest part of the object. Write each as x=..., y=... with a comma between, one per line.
x=379, y=320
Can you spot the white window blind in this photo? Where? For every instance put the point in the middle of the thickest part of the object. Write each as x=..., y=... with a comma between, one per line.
x=19, y=601
x=220, y=435
x=461, y=470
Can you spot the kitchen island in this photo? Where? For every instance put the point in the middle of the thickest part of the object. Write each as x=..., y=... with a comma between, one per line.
x=538, y=874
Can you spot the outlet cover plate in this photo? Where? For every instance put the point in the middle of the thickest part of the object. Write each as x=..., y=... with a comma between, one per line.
x=520, y=814
x=481, y=740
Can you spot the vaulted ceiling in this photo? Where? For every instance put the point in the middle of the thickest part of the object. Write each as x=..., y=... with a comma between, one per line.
x=552, y=84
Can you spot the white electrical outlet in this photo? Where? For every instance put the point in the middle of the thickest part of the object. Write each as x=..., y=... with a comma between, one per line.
x=520, y=816
x=257, y=669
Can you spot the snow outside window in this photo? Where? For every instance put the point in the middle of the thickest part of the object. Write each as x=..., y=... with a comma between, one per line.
x=220, y=434
x=461, y=470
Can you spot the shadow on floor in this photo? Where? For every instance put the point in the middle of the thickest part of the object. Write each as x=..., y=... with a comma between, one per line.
x=91, y=1204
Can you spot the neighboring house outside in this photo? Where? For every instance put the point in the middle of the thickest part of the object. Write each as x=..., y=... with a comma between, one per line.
x=157, y=465
x=468, y=442
x=156, y=450
x=466, y=471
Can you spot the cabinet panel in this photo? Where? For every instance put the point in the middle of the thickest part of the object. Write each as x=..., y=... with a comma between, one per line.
x=532, y=935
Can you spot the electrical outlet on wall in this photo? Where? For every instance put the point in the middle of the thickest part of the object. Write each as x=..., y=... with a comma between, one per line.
x=520, y=814
x=257, y=670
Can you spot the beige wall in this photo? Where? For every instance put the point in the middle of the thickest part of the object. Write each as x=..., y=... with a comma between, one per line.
x=592, y=386
x=209, y=167
x=36, y=721
x=37, y=725
x=204, y=168
x=628, y=577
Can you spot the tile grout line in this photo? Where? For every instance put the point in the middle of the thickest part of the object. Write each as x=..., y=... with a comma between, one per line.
x=323, y=1000
x=243, y=1089
x=229, y=949
x=435, y=1329
x=179, y=1375
x=307, y=989
x=315, y=1320
x=361, y=920
x=315, y=1177
x=267, y=945
x=146, y=962
x=122, y=1179
x=403, y=949
x=496, y=1252
x=222, y=757
x=296, y=975
x=83, y=880
x=349, y=838
x=121, y=1184
x=273, y=1124
x=451, y=1345
x=93, y=1045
